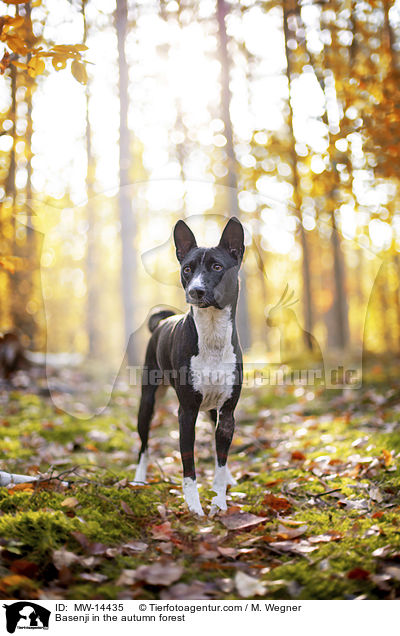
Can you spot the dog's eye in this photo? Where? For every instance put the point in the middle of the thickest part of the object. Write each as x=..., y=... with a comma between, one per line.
x=216, y=267
x=187, y=269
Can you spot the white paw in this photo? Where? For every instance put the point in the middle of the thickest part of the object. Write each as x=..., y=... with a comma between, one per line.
x=141, y=470
x=219, y=501
x=191, y=495
x=230, y=480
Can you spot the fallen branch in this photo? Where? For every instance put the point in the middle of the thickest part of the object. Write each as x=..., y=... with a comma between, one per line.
x=7, y=479
x=327, y=492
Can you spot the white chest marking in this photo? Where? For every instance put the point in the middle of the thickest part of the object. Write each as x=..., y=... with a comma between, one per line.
x=213, y=369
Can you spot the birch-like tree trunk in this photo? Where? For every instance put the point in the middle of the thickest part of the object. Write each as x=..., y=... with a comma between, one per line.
x=232, y=177
x=126, y=213
x=306, y=270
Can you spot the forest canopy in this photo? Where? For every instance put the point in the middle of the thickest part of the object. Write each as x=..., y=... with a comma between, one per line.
x=118, y=119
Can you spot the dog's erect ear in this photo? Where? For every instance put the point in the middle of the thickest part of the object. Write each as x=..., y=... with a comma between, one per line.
x=184, y=240
x=232, y=238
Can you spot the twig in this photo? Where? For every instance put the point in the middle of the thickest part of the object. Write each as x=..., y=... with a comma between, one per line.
x=327, y=492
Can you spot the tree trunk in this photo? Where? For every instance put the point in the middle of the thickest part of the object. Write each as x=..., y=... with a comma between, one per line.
x=340, y=337
x=11, y=193
x=232, y=177
x=29, y=324
x=128, y=273
x=306, y=270
x=92, y=309
x=340, y=300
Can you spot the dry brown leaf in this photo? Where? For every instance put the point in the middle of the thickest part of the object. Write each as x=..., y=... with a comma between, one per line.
x=230, y=553
x=279, y=504
x=127, y=509
x=298, y=456
x=387, y=458
x=162, y=532
x=25, y=568
x=290, y=533
x=359, y=574
x=241, y=520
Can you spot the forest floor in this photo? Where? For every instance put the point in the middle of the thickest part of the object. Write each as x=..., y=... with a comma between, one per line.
x=315, y=513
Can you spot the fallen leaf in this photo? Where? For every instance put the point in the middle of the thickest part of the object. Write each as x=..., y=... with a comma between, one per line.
x=81, y=539
x=279, y=504
x=269, y=484
x=166, y=547
x=162, y=532
x=230, y=553
x=64, y=558
x=161, y=573
x=326, y=538
x=94, y=577
x=290, y=533
x=24, y=487
x=359, y=574
x=298, y=456
x=15, y=580
x=70, y=502
x=354, y=504
x=127, y=577
x=393, y=571
x=127, y=509
x=286, y=521
x=25, y=568
x=297, y=547
x=248, y=586
x=135, y=546
x=387, y=458
x=375, y=494
x=383, y=551
x=241, y=520
x=197, y=590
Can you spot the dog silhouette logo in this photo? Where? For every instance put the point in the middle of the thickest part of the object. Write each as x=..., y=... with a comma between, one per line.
x=26, y=615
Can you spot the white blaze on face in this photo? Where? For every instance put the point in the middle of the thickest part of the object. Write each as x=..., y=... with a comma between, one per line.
x=196, y=282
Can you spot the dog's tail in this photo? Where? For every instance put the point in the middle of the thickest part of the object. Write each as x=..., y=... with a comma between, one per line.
x=157, y=316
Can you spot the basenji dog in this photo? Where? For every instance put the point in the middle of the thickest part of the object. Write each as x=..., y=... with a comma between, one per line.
x=199, y=354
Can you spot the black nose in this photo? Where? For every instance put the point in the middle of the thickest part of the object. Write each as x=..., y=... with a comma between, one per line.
x=197, y=293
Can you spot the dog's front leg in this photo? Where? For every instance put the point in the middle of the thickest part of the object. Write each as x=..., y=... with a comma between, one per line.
x=223, y=439
x=187, y=422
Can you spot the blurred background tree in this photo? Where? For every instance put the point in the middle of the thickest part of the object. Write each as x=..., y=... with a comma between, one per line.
x=285, y=114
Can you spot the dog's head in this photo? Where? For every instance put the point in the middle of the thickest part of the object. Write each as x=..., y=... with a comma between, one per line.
x=209, y=275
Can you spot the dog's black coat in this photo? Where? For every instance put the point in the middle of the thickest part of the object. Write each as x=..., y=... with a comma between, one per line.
x=210, y=279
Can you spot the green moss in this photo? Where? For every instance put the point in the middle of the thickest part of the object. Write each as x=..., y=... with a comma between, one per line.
x=35, y=524
x=40, y=532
